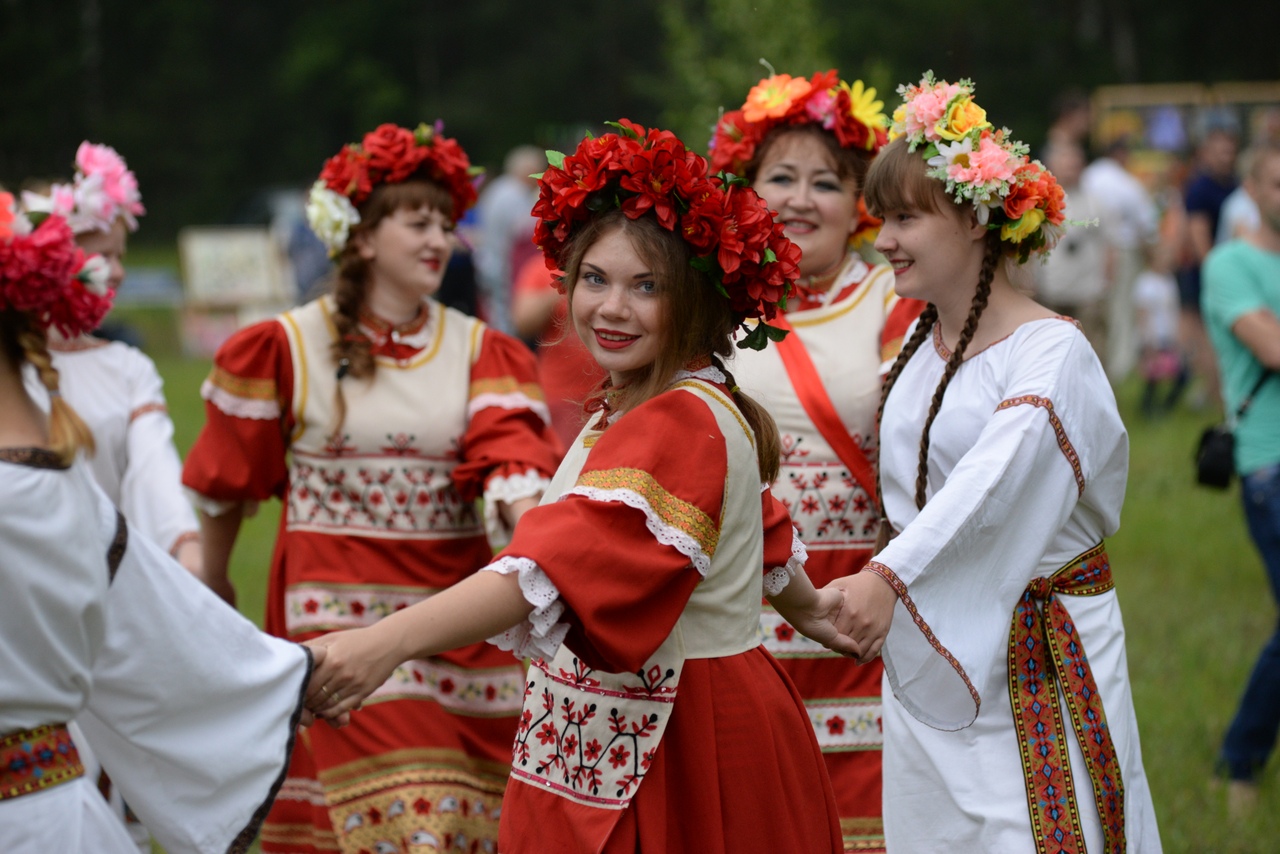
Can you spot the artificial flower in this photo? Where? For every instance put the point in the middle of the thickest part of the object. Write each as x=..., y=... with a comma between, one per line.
x=1015, y=231
x=331, y=216
x=962, y=117
x=95, y=273
x=773, y=97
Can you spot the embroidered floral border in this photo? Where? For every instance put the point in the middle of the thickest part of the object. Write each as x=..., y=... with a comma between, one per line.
x=1059, y=432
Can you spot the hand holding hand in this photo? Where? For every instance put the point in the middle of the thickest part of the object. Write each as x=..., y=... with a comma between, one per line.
x=867, y=611
x=350, y=665
x=819, y=622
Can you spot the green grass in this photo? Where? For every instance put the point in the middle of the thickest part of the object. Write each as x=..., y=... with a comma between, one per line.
x=1195, y=600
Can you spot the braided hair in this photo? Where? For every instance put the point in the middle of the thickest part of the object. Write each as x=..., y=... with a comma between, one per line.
x=25, y=341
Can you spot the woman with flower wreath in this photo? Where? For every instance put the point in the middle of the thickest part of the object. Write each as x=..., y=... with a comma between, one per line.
x=654, y=720
x=1003, y=463
x=115, y=387
x=190, y=707
x=378, y=416
x=804, y=145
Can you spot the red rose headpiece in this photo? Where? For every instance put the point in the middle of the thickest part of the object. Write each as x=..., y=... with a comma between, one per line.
x=731, y=230
x=44, y=273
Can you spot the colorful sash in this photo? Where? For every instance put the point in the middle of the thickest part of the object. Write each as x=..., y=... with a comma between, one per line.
x=818, y=406
x=36, y=759
x=1045, y=655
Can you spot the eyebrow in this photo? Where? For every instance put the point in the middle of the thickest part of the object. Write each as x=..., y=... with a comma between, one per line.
x=644, y=275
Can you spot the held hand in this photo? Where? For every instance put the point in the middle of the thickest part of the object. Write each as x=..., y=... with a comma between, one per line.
x=867, y=611
x=819, y=622
x=350, y=666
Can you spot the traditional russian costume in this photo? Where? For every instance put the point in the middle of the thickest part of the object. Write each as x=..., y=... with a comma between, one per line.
x=822, y=386
x=187, y=705
x=654, y=720
x=374, y=520
x=1011, y=726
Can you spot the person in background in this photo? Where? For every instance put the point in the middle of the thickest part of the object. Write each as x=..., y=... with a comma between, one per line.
x=1129, y=221
x=1212, y=182
x=1241, y=302
x=378, y=417
x=1009, y=722
x=115, y=387
x=503, y=215
x=1162, y=365
x=1073, y=280
x=1072, y=121
x=805, y=144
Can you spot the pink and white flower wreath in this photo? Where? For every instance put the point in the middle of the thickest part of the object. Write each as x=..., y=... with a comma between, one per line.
x=980, y=165
x=103, y=188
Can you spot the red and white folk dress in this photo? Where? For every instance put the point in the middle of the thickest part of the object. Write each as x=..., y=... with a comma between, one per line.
x=830, y=365
x=654, y=721
x=376, y=519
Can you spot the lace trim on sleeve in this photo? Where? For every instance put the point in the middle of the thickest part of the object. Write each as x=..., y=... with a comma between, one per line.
x=664, y=533
x=508, y=488
x=508, y=400
x=541, y=634
x=256, y=409
x=777, y=579
x=210, y=506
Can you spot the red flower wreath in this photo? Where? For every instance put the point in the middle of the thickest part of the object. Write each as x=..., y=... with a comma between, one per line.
x=44, y=273
x=731, y=230
x=391, y=154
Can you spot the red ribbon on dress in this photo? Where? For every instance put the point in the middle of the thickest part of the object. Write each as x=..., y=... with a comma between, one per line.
x=1045, y=655
x=821, y=411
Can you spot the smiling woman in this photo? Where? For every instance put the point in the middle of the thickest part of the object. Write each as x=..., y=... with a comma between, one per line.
x=379, y=415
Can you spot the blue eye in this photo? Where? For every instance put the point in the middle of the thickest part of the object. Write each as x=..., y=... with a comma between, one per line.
x=593, y=278
x=648, y=287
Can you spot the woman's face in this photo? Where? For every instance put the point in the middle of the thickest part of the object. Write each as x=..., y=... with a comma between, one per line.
x=407, y=251
x=616, y=307
x=798, y=179
x=935, y=256
x=111, y=246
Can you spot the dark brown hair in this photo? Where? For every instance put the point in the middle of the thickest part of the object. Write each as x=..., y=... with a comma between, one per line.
x=897, y=181
x=851, y=164
x=351, y=351
x=697, y=321
x=24, y=341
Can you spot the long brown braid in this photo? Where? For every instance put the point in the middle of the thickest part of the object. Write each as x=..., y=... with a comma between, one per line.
x=68, y=433
x=924, y=328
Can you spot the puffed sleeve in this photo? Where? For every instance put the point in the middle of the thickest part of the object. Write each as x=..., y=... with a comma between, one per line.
x=1054, y=443
x=610, y=566
x=508, y=451
x=784, y=553
x=240, y=453
x=151, y=494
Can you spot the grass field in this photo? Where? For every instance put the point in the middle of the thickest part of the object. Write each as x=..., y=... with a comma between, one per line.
x=1196, y=607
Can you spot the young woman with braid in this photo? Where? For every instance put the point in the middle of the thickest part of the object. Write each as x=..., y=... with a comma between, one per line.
x=190, y=708
x=378, y=416
x=1008, y=717
x=804, y=144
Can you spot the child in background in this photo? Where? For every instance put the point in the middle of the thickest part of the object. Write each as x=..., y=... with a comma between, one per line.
x=1155, y=300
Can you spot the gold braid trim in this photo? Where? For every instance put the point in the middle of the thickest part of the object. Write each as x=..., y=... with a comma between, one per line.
x=672, y=511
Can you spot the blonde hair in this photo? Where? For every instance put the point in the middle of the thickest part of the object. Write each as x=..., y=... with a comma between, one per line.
x=25, y=341
x=697, y=320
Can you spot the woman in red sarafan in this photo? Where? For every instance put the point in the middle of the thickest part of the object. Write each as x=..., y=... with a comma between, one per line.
x=654, y=720
x=378, y=417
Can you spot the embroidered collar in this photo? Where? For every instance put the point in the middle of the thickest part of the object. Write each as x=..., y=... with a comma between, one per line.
x=710, y=374
x=822, y=291
x=397, y=341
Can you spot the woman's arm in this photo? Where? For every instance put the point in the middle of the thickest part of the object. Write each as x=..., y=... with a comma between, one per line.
x=813, y=613
x=360, y=660
x=219, y=538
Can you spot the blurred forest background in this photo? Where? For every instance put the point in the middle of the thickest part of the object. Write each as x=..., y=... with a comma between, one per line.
x=212, y=100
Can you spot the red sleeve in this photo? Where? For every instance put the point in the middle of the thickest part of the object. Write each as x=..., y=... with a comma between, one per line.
x=901, y=316
x=240, y=453
x=622, y=545
x=508, y=425
x=779, y=532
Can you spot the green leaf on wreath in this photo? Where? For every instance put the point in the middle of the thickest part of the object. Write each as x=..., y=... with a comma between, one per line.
x=555, y=158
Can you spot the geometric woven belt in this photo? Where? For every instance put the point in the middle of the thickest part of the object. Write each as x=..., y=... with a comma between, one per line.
x=36, y=759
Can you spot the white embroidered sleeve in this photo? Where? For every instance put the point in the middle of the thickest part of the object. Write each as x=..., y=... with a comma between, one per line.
x=508, y=489
x=777, y=579
x=539, y=636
